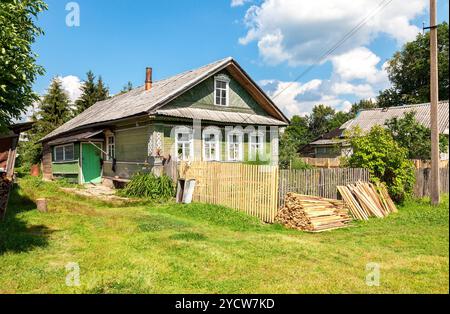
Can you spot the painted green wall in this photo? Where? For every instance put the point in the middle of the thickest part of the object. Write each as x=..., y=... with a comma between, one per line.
x=70, y=169
x=132, y=144
x=202, y=96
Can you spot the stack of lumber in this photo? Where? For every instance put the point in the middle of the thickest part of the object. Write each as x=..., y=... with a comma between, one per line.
x=314, y=214
x=365, y=200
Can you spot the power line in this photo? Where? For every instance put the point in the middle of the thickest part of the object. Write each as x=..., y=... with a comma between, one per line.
x=327, y=53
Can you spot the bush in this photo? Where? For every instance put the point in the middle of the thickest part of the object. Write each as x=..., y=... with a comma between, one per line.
x=147, y=185
x=385, y=159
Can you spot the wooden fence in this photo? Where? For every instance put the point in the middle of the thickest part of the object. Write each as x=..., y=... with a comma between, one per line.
x=423, y=177
x=252, y=189
x=318, y=182
x=322, y=162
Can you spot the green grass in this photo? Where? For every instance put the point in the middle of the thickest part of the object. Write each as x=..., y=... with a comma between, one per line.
x=171, y=248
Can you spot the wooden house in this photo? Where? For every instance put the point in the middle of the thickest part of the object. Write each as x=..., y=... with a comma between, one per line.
x=213, y=113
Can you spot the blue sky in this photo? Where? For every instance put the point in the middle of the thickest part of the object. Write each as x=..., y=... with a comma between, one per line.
x=274, y=40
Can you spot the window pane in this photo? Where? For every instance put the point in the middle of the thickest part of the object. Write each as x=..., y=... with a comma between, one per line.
x=59, y=153
x=68, y=152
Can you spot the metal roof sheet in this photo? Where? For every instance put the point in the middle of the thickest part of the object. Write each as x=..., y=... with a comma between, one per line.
x=366, y=119
x=220, y=116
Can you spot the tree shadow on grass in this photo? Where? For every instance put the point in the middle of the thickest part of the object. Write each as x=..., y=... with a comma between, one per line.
x=15, y=235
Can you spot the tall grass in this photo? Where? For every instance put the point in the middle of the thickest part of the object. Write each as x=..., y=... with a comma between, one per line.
x=149, y=186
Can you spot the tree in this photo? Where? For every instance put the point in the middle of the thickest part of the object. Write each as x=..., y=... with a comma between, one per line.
x=127, y=88
x=91, y=93
x=102, y=90
x=18, y=68
x=54, y=111
x=409, y=71
x=385, y=159
x=88, y=94
x=413, y=136
x=362, y=105
x=319, y=120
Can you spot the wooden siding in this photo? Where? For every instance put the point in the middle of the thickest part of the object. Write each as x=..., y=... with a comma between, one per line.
x=202, y=96
x=69, y=167
x=132, y=144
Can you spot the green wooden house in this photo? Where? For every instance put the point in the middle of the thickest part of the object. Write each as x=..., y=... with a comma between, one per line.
x=213, y=113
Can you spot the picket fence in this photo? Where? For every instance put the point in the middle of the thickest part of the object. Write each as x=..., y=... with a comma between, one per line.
x=249, y=188
x=318, y=182
x=423, y=178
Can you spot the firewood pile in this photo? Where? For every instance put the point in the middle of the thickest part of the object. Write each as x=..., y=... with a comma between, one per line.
x=366, y=200
x=313, y=214
x=5, y=185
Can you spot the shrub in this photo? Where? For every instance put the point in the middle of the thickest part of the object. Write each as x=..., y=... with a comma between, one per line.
x=385, y=159
x=258, y=161
x=147, y=185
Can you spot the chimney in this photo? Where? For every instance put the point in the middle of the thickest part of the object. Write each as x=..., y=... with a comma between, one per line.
x=148, y=79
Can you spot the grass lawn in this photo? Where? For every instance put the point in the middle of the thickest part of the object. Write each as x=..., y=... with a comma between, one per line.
x=170, y=248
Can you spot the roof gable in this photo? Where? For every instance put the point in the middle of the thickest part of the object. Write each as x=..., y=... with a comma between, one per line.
x=141, y=102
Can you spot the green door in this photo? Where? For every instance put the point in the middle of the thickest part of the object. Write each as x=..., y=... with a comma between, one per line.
x=90, y=163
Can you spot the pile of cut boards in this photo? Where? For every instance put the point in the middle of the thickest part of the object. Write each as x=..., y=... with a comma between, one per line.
x=313, y=214
x=365, y=200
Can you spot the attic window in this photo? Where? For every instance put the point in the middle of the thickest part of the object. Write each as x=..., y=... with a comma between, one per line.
x=221, y=90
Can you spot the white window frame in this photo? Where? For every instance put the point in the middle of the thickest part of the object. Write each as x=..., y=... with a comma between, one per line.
x=190, y=132
x=108, y=147
x=256, y=147
x=240, y=144
x=64, y=152
x=217, y=135
x=224, y=79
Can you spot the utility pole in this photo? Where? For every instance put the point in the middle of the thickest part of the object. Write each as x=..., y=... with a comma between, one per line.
x=434, y=97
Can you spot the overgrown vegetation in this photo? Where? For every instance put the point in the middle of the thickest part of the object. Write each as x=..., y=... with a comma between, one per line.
x=149, y=186
x=385, y=159
x=197, y=248
x=414, y=137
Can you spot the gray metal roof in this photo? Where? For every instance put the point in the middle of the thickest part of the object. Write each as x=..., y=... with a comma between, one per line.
x=139, y=101
x=366, y=119
x=329, y=142
x=220, y=116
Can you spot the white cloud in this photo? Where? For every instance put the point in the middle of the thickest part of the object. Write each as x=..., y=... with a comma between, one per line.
x=72, y=85
x=298, y=31
x=359, y=63
x=238, y=3
x=299, y=99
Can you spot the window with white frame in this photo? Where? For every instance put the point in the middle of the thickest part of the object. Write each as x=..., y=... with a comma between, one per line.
x=64, y=153
x=221, y=90
x=184, y=144
x=211, y=146
x=234, y=147
x=111, y=147
x=256, y=145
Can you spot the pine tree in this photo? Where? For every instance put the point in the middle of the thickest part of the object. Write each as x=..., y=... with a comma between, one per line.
x=102, y=90
x=54, y=110
x=89, y=94
x=127, y=88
